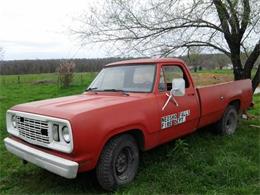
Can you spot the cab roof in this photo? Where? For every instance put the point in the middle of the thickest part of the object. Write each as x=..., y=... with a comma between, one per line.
x=147, y=61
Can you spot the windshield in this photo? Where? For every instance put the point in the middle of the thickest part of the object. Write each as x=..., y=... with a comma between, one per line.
x=129, y=78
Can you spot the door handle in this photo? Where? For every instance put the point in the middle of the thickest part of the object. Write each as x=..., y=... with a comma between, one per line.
x=191, y=94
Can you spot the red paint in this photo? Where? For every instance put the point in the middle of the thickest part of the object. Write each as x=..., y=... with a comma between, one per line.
x=96, y=117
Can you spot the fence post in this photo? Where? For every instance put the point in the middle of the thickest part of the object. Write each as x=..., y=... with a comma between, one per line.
x=81, y=79
x=18, y=79
x=3, y=80
x=58, y=80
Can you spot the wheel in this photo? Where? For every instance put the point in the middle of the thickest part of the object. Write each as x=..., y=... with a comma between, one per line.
x=118, y=162
x=228, y=123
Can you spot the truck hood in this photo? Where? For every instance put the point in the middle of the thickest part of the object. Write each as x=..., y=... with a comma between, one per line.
x=70, y=106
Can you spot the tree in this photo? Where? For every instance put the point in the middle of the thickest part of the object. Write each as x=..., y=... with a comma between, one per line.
x=1, y=54
x=194, y=57
x=66, y=73
x=167, y=27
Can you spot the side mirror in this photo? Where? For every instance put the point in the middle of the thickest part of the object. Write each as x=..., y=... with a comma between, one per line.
x=178, y=87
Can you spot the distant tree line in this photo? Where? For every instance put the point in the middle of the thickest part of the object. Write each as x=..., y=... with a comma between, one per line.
x=206, y=61
x=13, y=67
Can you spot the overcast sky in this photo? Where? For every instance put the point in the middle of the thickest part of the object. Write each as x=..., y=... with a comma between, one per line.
x=39, y=29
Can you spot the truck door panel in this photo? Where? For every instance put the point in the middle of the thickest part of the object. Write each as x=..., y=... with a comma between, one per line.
x=176, y=120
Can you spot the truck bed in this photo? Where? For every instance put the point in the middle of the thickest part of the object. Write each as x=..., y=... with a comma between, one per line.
x=215, y=98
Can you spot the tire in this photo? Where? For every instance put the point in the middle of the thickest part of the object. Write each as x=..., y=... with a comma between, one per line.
x=228, y=123
x=118, y=162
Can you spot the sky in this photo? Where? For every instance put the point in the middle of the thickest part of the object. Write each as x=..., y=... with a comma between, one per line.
x=40, y=29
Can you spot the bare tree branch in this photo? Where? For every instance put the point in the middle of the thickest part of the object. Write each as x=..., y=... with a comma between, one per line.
x=166, y=27
x=246, y=16
x=224, y=17
x=256, y=78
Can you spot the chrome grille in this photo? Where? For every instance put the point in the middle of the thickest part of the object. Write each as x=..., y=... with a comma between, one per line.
x=33, y=130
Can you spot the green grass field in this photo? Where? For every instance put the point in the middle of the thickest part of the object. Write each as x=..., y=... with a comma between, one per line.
x=199, y=163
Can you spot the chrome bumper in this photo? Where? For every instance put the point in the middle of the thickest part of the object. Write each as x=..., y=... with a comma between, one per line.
x=54, y=164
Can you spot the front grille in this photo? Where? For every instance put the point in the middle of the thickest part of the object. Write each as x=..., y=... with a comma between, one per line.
x=33, y=130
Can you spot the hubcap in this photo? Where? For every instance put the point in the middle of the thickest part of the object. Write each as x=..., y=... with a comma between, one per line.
x=123, y=163
x=230, y=124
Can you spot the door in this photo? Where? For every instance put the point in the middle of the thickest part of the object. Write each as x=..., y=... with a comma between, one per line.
x=176, y=120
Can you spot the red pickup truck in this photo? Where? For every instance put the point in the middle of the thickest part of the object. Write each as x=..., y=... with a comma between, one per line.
x=131, y=106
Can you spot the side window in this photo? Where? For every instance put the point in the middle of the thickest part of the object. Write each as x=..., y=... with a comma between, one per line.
x=167, y=74
x=162, y=84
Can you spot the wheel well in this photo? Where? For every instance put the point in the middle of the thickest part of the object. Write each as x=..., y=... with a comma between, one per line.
x=137, y=134
x=139, y=137
x=235, y=103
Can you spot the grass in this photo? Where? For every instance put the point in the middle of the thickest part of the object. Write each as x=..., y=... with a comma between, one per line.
x=201, y=163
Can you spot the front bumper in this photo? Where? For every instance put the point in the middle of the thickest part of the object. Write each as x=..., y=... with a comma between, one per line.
x=60, y=166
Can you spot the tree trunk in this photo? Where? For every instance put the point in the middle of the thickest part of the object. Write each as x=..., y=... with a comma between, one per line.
x=236, y=61
x=237, y=68
x=256, y=79
x=249, y=64
x=240, y=73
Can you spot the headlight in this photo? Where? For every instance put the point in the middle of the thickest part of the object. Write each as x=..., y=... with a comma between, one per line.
x=66, y=134
x=13, y=120
x=55, y=132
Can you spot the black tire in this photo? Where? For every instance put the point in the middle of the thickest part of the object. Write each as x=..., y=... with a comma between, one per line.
x=228, y=123
x=118, y=162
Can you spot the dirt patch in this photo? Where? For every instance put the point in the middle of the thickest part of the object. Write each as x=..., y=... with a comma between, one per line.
x=43, y=82
x=202, y=79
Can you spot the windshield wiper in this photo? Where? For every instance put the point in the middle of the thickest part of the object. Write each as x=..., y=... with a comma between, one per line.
x=116, y=90
x=91, y=89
